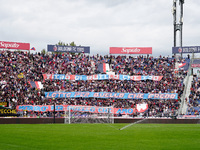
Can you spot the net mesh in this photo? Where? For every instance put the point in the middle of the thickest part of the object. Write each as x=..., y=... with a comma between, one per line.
x=88, y=114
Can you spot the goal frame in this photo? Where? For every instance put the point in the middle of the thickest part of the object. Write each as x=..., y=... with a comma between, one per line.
x=88, y=114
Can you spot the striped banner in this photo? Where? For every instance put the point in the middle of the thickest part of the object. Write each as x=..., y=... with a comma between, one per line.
x=100, y=77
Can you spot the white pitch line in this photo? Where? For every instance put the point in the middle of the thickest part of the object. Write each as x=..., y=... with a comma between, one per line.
x=131, y=124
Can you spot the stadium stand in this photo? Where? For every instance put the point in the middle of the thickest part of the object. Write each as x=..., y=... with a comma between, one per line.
x=19, y=68
x=194, y=97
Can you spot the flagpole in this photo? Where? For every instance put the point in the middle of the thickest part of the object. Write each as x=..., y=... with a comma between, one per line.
x=29, y=52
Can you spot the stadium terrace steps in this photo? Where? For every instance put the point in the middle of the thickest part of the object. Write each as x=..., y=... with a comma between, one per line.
x=184, y=108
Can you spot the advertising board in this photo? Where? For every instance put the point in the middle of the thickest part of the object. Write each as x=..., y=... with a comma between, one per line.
x=130, y=50
x=187, y=49
x=14, y=45
x=70, y=49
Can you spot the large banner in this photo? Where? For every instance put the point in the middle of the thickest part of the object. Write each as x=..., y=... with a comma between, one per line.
x=70, y=49
x=111, y=95
x=188, y=49
x=14, y=45
x=100, y=77
x=91, y=109
x=130, y=50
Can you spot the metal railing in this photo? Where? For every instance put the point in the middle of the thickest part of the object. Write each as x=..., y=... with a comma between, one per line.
x=185, y=89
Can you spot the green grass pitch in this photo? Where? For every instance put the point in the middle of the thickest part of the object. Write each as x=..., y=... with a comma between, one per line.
x=99, y=137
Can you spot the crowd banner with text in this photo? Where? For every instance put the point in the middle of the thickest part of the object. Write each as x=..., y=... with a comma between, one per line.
x=91, y=109
x=187, y=49
x=70, y=49
x=4, y=112
x=14, y=45
x=100, y=77
x=57, y=94
x=130, y=50
x=196, y=63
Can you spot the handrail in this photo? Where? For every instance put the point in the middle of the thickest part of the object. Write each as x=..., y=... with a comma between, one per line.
x=185, y=89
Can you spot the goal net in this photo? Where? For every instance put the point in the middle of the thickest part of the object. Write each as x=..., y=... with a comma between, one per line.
x=88, y=114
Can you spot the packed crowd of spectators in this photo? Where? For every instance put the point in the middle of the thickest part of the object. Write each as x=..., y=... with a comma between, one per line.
x=194, y=97
x=17, y=90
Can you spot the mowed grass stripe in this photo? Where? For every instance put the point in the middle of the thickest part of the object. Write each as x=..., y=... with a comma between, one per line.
x=99, y=136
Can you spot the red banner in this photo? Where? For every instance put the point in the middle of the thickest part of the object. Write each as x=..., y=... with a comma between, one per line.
x=100, y=77
x=195, y=65
x=14, y=45
x=130, y=50
x=81, y=108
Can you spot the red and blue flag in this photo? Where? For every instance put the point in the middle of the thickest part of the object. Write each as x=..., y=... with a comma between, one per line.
x=33, y=48
x=36, y=84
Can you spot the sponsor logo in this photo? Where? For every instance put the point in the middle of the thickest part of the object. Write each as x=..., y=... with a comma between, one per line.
x=130, y=50
x=180, y=50
x=55, y=48
x=9, y=45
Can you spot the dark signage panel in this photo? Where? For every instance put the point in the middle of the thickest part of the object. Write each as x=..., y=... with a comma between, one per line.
x=8, y=112
x=187, y=49
x=70, y=49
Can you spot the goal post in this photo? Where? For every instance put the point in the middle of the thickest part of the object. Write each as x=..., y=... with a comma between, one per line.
x=88, y=114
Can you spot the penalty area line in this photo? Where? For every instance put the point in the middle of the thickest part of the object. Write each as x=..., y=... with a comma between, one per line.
x=111, y=126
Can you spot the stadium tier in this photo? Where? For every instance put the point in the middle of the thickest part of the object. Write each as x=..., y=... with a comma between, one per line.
x=143, y=86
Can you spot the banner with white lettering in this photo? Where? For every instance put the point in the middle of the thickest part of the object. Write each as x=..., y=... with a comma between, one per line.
x=100, y=77
x=111, y=95
x=187, y=49
x=130, y=50
x=80, y=108
x=14, y=45
x=196, y=63
x=70, y=49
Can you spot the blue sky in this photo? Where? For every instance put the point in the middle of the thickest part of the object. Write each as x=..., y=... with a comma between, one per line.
x=99, y=24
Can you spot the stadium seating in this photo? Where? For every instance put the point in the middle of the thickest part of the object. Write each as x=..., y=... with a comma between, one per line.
x=19, y=68
x=194, y=97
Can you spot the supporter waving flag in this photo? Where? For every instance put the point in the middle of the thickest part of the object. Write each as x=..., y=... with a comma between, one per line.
x=104, y=67
x=141, y=107
x=36, y=84
x=33, y=48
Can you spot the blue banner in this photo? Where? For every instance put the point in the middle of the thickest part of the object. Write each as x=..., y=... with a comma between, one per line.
x=80, y=108
x=70, y=49
x=111, y=95
x=100, y=77
x=188, y=49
